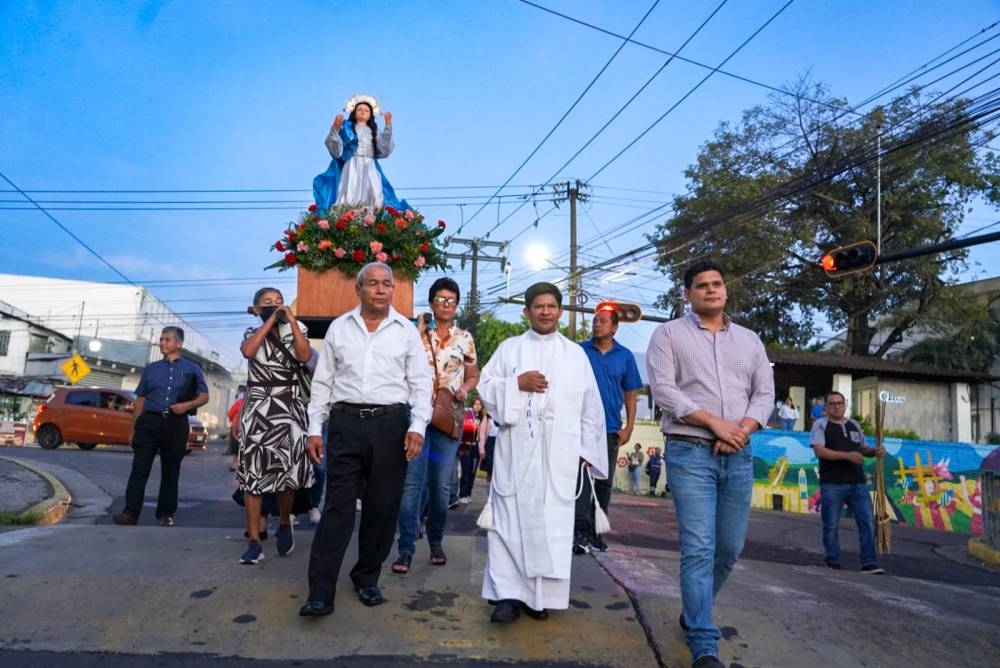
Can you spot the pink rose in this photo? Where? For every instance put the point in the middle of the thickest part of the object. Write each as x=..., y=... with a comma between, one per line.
x=323, y=244
x=302, y=247
x=324, y=224
x=409, y=214
x=369, y=219
x=339, y=252
x=381, y=257
x=376, y=246
x=419, y=262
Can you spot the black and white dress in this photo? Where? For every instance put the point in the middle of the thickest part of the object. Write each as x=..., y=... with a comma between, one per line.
x=273, y=423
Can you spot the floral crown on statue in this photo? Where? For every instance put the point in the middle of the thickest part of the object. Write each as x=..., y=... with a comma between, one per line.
x=362, y=97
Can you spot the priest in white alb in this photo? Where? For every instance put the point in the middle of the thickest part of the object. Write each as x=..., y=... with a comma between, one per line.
x=541, y=392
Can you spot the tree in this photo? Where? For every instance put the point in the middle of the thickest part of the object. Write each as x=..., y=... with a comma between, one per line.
x=974, y=346
x=491, y=332
x=797, y=178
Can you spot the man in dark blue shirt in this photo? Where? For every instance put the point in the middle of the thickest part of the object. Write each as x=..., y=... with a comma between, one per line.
x=618, y=382
x=168, y=390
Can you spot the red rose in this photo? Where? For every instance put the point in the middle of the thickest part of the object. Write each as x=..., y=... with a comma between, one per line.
x=290, y=258
x=392, y=211
x=291, y=236
x=341, y=224
x=358, y=255
x=400, y=223
x=312, y=207
x=442, y=224
x=302, y=228
x=381, y=228
x=397, y=258
x=425, y=246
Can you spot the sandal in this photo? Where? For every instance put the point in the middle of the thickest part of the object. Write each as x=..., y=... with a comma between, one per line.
x=438, y=557
x=402, y=564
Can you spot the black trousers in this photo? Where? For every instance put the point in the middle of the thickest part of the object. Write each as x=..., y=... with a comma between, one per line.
x=583, y=521
x=469, y=462
x=168, y=437
x=367, y=461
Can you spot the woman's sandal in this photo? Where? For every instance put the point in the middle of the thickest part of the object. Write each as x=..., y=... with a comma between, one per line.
x=402, y=564
x=438, y=557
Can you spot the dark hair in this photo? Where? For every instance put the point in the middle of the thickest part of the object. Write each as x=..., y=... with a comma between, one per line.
x=175, y=330
x=442, y=284
x=613, y=312
x=482, y=407
x=539, y=289
x=833, y=392
x=699, y=267
x=370, y=124
x=257, y=296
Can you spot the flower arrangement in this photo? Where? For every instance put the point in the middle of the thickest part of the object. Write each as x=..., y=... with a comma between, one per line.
x=348, y=237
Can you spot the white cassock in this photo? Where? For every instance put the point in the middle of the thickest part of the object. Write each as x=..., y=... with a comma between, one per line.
x=540, y=441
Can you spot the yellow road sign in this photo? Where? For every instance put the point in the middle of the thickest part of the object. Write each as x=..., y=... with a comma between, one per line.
x=75, y=369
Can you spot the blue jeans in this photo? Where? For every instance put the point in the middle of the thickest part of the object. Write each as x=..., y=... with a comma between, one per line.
x=788, y=424
x=712, y=502
x=633, y=476
x=832, y=499
x=433, y=468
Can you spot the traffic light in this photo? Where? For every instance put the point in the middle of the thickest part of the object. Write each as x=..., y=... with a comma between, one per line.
x=627, y=312
x=849, y=259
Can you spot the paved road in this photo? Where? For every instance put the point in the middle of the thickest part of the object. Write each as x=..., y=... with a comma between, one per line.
x=88, y=593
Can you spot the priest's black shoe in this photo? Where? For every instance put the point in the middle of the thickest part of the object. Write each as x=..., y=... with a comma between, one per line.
x=370, y=595
x=315, y=609
x=535, y=614
x=505, y=612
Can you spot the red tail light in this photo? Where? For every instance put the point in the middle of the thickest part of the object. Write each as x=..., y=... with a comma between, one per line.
x=43, y=408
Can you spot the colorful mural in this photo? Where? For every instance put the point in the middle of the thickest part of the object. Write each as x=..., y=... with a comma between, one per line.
x=932, y=484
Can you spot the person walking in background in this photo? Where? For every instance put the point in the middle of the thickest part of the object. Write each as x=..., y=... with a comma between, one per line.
x=470, y=450
x=488, y=431
x=618, y=381
x=233, y=415
x=373, y=384
x=451, y=358
x=715, y=386
x=635, y=460
x=273, y=422
x=168, y=391
x=653, y=467
x=840, y=445
x=818, y=409
x=788, y=414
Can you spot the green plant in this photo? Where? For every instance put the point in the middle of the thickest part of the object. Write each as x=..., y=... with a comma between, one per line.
x=993, y=438
x=867, y=427
x=348, y=237
x=902, y=433
x=18, y=519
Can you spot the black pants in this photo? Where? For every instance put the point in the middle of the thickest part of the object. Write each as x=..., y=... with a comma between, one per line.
x=583, y=522
x=469, y=462
x=367, y=461
x=168, y=437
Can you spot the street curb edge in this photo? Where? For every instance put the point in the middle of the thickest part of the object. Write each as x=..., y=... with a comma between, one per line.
x=54, y=508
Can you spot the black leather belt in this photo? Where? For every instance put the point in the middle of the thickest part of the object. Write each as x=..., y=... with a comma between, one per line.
x=365, y=411
x=164, y=413
x=694, y=440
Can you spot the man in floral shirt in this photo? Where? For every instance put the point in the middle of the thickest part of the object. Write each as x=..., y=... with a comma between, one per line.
x=452, y=353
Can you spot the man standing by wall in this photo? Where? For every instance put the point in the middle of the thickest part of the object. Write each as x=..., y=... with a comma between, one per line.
x=840, y=446
x=618, y=382
x=451, y=355
x=373, y=383
x=713, y=381
x=544, y=398
x=167, y=391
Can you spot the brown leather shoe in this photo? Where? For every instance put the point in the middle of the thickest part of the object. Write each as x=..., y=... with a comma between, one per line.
x=166, y=521
x=125, y=518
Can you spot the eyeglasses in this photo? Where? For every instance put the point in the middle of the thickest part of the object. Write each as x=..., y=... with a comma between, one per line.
x=835, y=403
x=446, y=301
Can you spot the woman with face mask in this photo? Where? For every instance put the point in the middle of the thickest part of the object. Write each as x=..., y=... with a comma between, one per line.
x=273, y=421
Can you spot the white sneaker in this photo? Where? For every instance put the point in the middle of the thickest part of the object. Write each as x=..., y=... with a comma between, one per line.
x=464, y=500
x=357, y=505
x=315, y=515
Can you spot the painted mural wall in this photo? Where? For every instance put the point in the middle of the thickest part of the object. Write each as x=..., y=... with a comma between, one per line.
x=930, y=484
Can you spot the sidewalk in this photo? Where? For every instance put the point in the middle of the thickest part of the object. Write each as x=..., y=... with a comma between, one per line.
x=148, y=590
x=30, y=492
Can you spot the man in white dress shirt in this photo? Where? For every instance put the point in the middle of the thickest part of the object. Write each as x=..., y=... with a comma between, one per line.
x=541, y=391
x=373, y=382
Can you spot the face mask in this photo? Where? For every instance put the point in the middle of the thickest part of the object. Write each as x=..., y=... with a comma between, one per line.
x=267, y=311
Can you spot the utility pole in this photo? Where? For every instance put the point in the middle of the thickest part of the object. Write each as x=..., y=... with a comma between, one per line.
x=475, y=245
x=572, y=190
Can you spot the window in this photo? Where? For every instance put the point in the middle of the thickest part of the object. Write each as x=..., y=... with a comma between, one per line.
x=82, y=398
x=38, y=344
x=4, y=341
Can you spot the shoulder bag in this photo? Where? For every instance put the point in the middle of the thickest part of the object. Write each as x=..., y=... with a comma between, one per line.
x=448, y=412
x=302, y=374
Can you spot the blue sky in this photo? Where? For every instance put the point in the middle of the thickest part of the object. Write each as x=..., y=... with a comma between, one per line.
x=239, y=95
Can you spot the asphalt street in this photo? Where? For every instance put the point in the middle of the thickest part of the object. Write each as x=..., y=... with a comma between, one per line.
x=86, y=592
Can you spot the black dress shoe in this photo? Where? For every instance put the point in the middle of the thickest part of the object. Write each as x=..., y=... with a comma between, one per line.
x=125, y=518
x=315, y=609
x=505, y=612
x=535, y=614
x=370, y=595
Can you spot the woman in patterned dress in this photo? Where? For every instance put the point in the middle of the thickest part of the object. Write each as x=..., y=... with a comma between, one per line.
x=273, y=422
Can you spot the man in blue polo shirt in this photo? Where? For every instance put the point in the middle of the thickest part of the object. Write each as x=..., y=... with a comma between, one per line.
x=168, y=390
x=618, y=382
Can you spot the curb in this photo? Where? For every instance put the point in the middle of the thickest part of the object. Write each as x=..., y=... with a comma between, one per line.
x=984, y=552
x=52, y=509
